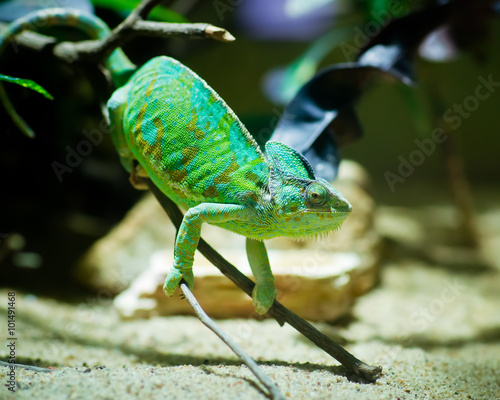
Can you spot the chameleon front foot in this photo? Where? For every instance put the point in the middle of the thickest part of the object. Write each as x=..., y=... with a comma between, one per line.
x=174, y=278
x=263, y=298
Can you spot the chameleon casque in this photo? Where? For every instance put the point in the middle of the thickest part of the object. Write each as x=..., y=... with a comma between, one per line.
x=169, y=126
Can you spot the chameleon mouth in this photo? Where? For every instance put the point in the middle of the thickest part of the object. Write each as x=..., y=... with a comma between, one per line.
x=341, y=214
x=337, y=211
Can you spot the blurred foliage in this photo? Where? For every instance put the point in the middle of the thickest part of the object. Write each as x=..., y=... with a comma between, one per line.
x=13, y=9
x=27, y=83
x=310, y=122
x=159, y=13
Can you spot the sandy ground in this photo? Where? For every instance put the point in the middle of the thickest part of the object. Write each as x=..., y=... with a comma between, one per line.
x=435, y=330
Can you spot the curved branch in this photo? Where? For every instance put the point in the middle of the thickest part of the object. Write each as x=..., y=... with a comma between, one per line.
x=134, y=25
x=249, y=361
x=98, y=50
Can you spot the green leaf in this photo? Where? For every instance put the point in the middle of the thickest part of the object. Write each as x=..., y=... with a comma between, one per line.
x=158, y=13
x=27, y=83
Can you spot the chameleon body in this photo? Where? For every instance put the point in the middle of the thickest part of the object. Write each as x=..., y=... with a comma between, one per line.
x=170, y=126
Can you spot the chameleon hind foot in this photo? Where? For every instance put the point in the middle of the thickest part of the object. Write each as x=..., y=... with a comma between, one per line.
x=174, y=278
x=263, y=298
x=138, y=177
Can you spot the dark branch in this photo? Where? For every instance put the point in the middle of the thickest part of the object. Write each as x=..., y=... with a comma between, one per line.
x=98, y=50
x=134, y=25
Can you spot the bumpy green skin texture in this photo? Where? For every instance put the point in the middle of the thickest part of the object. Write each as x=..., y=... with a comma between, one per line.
x=199, y=154
x=167, y=120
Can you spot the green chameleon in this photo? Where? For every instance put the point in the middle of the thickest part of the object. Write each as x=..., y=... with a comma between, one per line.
x=169, y=126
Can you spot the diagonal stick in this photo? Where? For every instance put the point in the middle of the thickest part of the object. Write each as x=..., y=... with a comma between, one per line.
x=251, y=364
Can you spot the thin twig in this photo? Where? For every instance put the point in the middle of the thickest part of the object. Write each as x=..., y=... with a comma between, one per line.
x=98, y=50
x=164, y=29
x=26, y=366
x=134, y=25
x=277, y=311
x=467, y=221
x=251, y=364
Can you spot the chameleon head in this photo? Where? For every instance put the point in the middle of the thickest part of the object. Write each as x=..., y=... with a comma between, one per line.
x=303, y=205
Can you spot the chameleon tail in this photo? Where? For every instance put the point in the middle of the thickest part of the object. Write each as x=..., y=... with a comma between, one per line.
x=120, y=67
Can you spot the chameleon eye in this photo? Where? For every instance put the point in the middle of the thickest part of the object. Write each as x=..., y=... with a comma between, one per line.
x=316, y=195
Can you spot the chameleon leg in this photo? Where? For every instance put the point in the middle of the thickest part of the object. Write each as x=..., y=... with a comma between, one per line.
x=188, y=237
x=264, y=292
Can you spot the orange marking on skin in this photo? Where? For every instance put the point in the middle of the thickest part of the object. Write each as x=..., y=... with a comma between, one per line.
x=179, y=192
x=191, y=127
x=225, y=176
x=199, y=134
x=178, y=175
x=138, y=129
x=155, y=149
x=160, y=133
x=252, y=177
x=211, y=191
x=150, y=87
x=140, y=117
x=188, y=154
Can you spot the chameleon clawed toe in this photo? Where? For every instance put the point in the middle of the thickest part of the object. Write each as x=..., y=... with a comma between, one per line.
x=138, y=177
